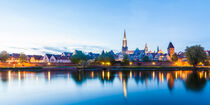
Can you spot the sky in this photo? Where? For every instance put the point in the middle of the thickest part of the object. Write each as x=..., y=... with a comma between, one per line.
x=55, y=26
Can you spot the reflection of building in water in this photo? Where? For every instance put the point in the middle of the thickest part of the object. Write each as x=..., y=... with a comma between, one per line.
x=143, y=77
x=120, y=75
x=103, y=74
x=125, y=88
x=92, y=74
x=170, y=80
x=48, y=75
x=108, y=75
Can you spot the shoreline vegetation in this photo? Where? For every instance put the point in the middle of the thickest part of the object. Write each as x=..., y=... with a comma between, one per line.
x=134, y=68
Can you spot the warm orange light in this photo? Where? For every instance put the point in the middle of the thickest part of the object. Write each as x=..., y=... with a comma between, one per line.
x=48, y=63
x=92, y=74
x=201, y=75
x=162, y=77
x=102, y=63
x=205, y=75
x=103, y=74
x=19, y=75
x=201, y=64
x=153, y=63
x=9, y=75
x=124, y=89
x=108, y=63
x=48, y=75
x=153, y=75
x=130, y=74
x=120, y=75
x=130, y=63
x=108, y=75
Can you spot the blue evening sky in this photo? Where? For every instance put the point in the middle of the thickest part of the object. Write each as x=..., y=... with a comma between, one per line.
x=39, y=26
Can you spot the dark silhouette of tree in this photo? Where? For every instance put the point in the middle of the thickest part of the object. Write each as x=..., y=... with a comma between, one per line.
x=106, y=57
x=145, y=59
x=195, y=54
x=79, y=57
x=171, y=83
x=23, y=58
x=194, y=82
x=4, y=56
x=125, y=60
x=174, y=57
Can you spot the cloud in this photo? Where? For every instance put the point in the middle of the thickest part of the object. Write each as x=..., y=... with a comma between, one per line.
x=57, y=49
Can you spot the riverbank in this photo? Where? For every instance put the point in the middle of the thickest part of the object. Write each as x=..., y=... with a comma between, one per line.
x=141, y=68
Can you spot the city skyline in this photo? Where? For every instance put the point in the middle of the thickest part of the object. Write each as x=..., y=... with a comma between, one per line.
x=40, y=26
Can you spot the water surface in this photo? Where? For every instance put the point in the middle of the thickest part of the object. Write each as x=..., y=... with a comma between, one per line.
x=104, y=87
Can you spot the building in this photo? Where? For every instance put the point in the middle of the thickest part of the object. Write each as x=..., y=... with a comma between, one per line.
x=171, y=50
x=124, y=46
x=47, y=57
x=14, y=57
x=51, y=58
x=67, y=54
x=35, y=58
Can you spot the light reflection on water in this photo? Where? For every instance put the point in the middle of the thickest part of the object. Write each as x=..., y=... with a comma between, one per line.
x=104, y=87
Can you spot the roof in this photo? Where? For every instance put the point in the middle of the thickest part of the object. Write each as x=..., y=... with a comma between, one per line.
x=15, y=55
x=170, y=45
x=48, y=55
x=67, y=53
x=59, y=57
x=181, y=55
x=37, y=57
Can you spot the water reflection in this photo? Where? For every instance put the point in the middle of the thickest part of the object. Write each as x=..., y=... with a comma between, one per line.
x=193, y=80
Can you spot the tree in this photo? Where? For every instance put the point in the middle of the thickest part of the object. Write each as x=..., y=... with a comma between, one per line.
x=195, y=55
x=194, y=82
x=106, y=57
x=4, y=56
x=23, y=58
x=174, y=57
x=145, y=59
x=125, y=60
x=79, y=57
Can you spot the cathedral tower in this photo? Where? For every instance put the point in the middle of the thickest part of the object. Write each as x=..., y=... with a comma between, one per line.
x=124, y=46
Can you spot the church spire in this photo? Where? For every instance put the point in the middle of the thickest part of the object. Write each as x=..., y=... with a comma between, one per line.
x=124, y=46
x=124, y=40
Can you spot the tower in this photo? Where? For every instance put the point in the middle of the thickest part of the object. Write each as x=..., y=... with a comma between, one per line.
x=157, y=49
x=146, y=48
x=124, y=46
x=171, y=49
